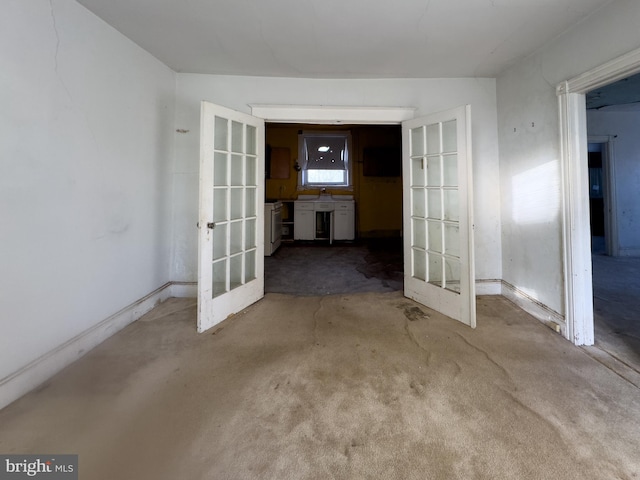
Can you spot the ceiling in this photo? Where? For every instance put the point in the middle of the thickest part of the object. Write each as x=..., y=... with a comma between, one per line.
x=342, y=38
x=623, y=95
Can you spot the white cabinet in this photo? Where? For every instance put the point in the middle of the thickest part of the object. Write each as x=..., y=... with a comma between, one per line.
x=344, y=221
x=304, y=221
x=310, y=220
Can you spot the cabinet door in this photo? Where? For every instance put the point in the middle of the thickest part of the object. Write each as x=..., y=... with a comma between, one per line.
x=304, y=225
x=343, y=228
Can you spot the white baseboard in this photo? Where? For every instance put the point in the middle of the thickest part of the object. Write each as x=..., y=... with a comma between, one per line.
x=533, y=307
x=184, y=289
x=488, y=287
x=40, y=370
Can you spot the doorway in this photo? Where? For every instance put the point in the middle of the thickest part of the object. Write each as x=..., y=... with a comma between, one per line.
x=370, y=262
x=578, y=279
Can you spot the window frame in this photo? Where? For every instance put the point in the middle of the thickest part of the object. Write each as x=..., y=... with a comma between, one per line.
x=303, y=181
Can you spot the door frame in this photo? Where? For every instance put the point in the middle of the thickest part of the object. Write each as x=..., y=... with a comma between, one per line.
x=576, y=230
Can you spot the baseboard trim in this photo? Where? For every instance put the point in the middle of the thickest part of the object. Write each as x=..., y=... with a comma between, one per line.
x=488, y=287
x=42, y=369
x=533, y=307
x=184, y=289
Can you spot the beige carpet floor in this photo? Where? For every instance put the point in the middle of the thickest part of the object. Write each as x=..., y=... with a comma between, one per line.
x=358, y=386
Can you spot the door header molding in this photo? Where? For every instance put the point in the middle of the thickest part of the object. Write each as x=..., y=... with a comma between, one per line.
x=332, y=115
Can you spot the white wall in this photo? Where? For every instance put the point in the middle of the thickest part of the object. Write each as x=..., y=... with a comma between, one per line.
x=528, y=132
x=86, y=144
x=426, y=95
x=626, y=164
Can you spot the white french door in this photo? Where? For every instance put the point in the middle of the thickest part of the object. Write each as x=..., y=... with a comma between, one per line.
x=438, y=213
x=231, y=213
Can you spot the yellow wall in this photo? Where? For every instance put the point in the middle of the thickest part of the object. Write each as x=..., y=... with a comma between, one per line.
x=378, y=199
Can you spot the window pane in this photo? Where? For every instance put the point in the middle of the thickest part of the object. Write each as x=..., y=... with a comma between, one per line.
x=417, y=141
x=220, y=169
x=220, y=205
x=433, y=138
x=251, y=140
x=236, y=170
x=435, y=236
x=418, y=202
x=336, y=177
x=236, y=237
x=236, y=137
x=435, y=269
x=449, y=136
x=221, y=130
x=420, y=264
x=419, y=233
x=237, y=196
x=219, y=285
x=219, y=241
x=235, y=272
x=250, y=266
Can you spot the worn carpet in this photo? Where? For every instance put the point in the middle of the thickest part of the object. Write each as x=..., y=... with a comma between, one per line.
x=357, y=386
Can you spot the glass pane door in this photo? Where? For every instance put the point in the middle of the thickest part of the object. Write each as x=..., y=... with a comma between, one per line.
x=438, y=214
x=231, y=213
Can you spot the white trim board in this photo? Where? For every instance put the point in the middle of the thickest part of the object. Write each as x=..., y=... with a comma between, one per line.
x=331, y=115
x=488, y=287
x=541, y=312
x=42, y=369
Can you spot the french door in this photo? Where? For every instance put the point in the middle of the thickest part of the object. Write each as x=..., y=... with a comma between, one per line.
x=437, y=217
x=231, y=213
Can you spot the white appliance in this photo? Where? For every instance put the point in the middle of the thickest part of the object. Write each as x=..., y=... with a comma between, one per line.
x=272, y=226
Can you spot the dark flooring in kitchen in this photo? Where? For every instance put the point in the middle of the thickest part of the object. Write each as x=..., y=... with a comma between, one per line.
x=317, y=268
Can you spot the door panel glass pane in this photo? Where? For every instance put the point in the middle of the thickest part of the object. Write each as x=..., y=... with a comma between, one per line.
x=236, y=237
x=235, y=272
x=419, y=264
x=419, y=233
x=251, y=140
x=417, y=172
x=220, y=169
x=435, y=269
x=250, y=202
x=250, y=271
x=219, y=241
x=236, y=137
x=449, y=136
x=450, y=166
x=220, y=205
x=435, y=236
x=433, y=138
x=452, y=274
x=435, y=204
x=221, y=126
x=418, y=202
x=237, y=174
x=451, y=208
x=251, y=177
x=433, y=171
x=452, y=240
x=250, y=234
x=417, y=142
x=237, y=207
x=219, y=281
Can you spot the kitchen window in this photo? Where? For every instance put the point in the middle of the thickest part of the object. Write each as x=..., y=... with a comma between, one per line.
x=324, y=159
